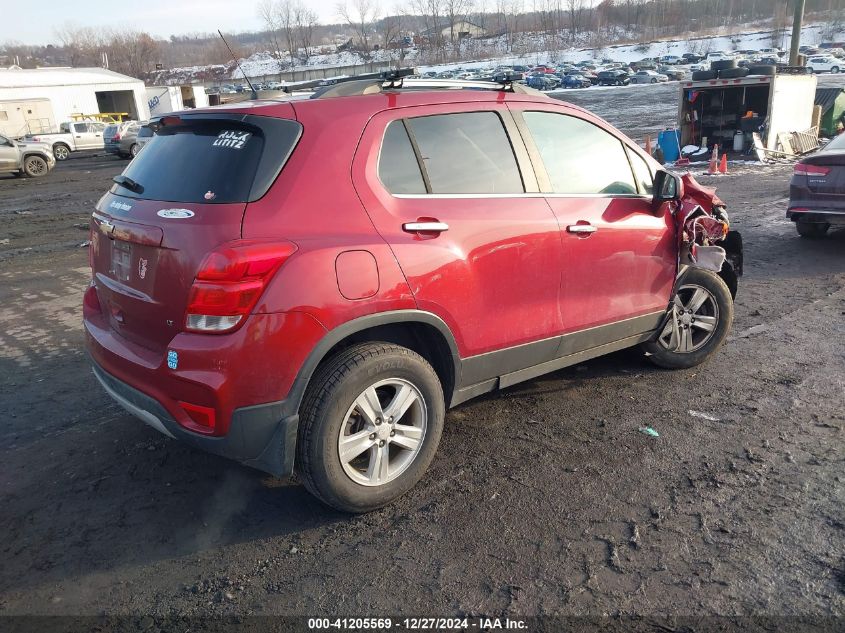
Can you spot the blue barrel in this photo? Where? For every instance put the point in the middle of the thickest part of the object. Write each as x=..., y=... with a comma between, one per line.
x=670, y=141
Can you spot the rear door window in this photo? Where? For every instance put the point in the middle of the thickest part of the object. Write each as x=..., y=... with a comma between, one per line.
x=580, y=158
x=212, y=161
x=466, y=153
x=398, y=168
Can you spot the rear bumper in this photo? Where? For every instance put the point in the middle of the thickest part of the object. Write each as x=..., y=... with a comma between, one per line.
x=112, y=148
x=259, y=436
x=244, y=377
x=816, y=215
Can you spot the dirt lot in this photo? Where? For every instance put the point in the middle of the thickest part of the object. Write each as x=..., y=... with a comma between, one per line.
x=544, y=499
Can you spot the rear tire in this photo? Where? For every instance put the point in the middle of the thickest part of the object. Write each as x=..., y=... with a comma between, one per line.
x=35, y=166
x=353, y=394
x=723, y=64
x=61, y=152
x=835, y=70
x=733, y=73
x=699, y=321
x=764, y=69
x=812, y=230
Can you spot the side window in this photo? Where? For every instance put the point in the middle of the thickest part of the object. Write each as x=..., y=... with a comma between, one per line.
x=398, y=169
x=65, y=128
x=580, y=158
x=642, y=173
x=467, y=153
x=80, y=127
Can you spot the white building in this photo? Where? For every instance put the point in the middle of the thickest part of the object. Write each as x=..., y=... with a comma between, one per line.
x=40, y=100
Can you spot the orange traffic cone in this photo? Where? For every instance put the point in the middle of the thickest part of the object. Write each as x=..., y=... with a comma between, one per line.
x=648, y=145
x=714, y=161
x=723, y=166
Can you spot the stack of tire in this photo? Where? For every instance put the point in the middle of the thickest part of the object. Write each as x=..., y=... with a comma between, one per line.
x=728, y=69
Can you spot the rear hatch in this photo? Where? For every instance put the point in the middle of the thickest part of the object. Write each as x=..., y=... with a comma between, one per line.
x=826, y=173
x=184, y=195
x=109, y=133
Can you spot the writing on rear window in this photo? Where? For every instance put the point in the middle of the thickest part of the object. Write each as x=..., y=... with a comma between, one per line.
x=231, y=138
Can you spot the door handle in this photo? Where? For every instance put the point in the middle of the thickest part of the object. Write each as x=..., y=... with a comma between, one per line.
x=425, y=227
x=581, y=228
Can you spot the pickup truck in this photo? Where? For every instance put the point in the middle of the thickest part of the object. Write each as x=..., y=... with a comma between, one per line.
x=25, y=158
x=73, y=136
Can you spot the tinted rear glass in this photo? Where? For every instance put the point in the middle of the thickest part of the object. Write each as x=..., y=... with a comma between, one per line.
x=212, y=161
x=145, y=132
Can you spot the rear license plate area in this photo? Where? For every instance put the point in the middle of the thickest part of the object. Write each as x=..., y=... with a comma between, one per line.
x=121, y=258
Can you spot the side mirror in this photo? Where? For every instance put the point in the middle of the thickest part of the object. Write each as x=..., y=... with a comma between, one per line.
x=667, y=187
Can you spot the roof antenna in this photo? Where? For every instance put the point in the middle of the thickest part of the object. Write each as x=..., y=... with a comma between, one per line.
x=238, y=64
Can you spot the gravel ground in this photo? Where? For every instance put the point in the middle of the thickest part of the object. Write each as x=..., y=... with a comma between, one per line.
x=544, y=499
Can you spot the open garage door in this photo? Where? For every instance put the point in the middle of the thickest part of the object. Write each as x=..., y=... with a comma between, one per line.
x=118, y=101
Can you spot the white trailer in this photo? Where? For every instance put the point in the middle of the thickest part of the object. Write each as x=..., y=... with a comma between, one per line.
x=716, y=110
x=164, y=99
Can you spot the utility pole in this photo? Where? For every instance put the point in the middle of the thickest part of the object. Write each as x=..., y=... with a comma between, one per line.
x=797, y=22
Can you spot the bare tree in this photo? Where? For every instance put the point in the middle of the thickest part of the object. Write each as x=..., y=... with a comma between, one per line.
x=360, y=16
x=268, y=14
x=81, y=44
x=305, y=21
x=131, y=52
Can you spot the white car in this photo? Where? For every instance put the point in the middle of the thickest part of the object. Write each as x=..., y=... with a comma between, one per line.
x=648, y=77
x=715, y=56
x=825, y=64
x=670, y=59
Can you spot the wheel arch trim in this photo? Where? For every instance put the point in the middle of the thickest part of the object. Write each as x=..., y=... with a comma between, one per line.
x=344, y=331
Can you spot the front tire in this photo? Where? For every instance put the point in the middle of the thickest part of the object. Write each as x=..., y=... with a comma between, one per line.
x=835, y=70
x=699, y=321
x=370, y=424
x=35, y=166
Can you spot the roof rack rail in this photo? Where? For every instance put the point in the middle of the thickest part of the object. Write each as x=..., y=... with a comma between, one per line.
x=376, y=83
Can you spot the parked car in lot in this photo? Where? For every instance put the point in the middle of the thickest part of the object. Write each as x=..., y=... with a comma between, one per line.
x=674, y=73
x=614, y=78
x=648, y=77
x=121, y=139
x=576, y=81
x=817, y=190
x=670, y=59
x=25, y=158
x=543, y=81
x=224, y=312
x=825, y=64
x=73, y=136
x=691, y=58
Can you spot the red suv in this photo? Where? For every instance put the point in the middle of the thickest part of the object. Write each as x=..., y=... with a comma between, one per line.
x=308, y=285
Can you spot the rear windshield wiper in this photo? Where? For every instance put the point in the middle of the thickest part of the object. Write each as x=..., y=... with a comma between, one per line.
x=127, y=183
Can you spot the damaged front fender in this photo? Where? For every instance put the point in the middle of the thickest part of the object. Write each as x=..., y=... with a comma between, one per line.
x=704, y=234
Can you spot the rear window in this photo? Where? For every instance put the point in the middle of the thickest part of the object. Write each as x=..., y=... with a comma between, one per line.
x=216, y=161
x=145, y=132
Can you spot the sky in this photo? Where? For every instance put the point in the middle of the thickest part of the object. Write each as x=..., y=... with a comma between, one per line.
x=35, y=22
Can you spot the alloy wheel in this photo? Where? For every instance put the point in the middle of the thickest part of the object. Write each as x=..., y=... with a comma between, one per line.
x=35, y=167
x=692, y=322
x=382, y=432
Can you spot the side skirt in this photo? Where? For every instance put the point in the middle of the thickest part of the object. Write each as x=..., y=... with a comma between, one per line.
x=571, y=349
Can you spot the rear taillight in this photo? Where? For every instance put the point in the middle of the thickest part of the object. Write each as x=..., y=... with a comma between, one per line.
x=804, y=169
x=230, y=281
x=116, y=137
